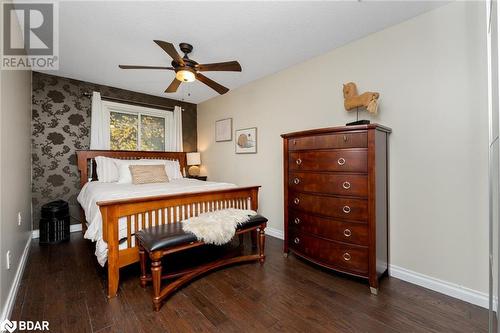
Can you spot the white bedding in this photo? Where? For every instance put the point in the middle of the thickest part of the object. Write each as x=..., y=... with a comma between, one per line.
x=92, y=192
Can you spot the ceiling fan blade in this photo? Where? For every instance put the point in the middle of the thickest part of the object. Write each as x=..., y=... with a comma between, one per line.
x=143, y=67
x=173, y=86
x=212, y=84
x=229, y=66
x=170, y=49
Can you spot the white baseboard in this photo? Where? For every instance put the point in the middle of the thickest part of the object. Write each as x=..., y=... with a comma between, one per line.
x=72, y=228
x=275, y=233
x=11, y=298
x=444, y=287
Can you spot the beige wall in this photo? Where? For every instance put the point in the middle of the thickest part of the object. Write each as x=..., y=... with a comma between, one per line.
x=15, y=173
x=431, y=74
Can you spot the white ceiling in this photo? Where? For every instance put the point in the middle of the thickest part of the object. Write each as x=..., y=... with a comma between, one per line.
x=265, y=37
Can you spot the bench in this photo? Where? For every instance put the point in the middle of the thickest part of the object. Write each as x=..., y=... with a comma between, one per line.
x=161, y=240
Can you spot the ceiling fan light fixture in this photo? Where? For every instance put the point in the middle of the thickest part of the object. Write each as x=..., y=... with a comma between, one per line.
x=188, y=70
x=185, y=75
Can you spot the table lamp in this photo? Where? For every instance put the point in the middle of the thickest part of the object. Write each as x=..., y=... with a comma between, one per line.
x=193, y=161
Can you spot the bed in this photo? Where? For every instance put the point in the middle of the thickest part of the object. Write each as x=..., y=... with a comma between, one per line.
x=111, y=213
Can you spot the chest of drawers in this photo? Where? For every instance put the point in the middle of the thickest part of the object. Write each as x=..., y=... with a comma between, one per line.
x=336, y=198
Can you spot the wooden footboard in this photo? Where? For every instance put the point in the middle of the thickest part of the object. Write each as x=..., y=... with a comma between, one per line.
x=134, y=214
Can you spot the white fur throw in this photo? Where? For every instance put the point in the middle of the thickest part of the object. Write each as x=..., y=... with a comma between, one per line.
x=217, y=227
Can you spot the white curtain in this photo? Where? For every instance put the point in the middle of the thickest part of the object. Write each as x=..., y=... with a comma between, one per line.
x=99, y=124
x=176, y=130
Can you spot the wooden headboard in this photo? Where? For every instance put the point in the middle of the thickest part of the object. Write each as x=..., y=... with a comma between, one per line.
x=87, y=165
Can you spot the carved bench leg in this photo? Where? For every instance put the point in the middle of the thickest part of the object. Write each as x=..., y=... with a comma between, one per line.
x=262, y=244
x=156, y=277
x=142, y=259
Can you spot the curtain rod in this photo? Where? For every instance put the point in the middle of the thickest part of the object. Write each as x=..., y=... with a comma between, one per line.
x=126, y=101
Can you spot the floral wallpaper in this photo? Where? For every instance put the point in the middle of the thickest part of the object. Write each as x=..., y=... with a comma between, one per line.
x=61, y=125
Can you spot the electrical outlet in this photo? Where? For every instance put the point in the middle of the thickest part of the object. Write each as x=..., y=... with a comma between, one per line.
x=7, y=264
x=19, y=218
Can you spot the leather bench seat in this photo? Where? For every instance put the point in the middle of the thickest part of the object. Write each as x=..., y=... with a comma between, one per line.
x=169, y=235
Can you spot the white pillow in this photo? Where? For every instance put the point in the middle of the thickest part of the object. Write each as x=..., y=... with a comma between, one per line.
x=172, y=167
x=107, y=172
x=124, y=175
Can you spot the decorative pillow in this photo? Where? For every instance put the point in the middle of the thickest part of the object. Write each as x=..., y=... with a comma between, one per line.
x=107, y=171
x=124, y=175
x=147, y=174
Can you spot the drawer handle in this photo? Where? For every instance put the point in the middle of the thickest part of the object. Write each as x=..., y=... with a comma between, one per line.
x=296, y=181
x=296, y=240
x=341, y=161
x=346, y=256
x=296, y=201
x=296, y=220
x=294, y=142
x=346, y=209
x=347, y=233
x=346, y=138
x=346, y=185
x=298, y=161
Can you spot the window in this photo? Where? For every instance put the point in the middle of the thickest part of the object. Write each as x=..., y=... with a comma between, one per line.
x=137, y=128
x=152, y=133
x=123, y=131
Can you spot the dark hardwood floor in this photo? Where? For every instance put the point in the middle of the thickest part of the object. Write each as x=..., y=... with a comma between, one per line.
x=64, y=285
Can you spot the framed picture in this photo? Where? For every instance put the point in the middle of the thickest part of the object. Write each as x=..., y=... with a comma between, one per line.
x=224, y=130
x=246, y=141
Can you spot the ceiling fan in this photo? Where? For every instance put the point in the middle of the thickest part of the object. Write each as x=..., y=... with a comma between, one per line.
x=187, y=70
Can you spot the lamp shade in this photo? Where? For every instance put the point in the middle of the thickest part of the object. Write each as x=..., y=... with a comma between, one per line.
x=193, y=158
x=185, y=76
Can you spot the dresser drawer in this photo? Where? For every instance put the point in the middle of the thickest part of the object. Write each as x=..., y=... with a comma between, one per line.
x=340, y=184
x=330, y=253
x=345, y=208
x=349, y=232
x=355, y=160
x=329, y=141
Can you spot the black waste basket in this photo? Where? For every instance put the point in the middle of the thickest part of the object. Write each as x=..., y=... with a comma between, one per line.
x=54, y=223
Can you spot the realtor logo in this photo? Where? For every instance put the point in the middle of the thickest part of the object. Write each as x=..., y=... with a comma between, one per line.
x=30, y=35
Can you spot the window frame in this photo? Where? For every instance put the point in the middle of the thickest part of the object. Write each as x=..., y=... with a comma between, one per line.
x=139, y=111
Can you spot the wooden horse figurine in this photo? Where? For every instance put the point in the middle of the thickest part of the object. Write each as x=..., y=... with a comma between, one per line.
x=352, y=100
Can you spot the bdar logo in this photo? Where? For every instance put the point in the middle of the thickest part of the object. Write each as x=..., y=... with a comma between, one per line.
x=8, y=325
